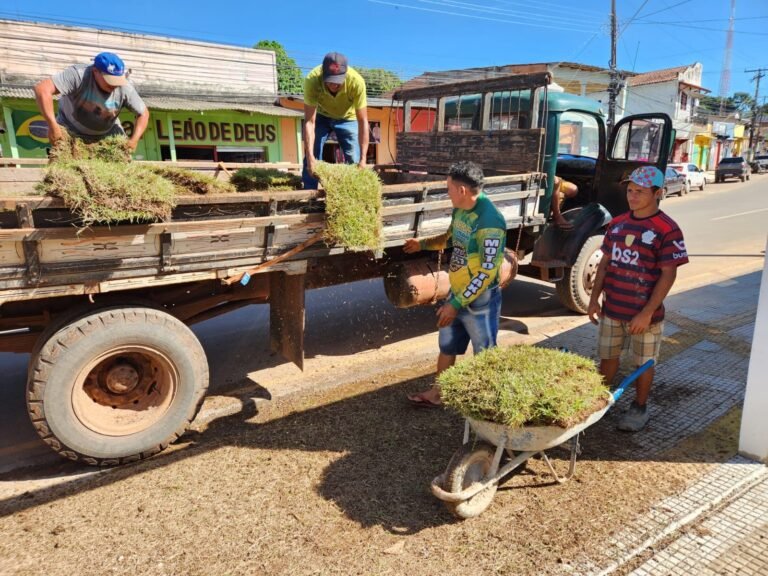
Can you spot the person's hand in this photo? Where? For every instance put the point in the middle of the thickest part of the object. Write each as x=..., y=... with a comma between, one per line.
x=362, y=164
x=411, y=246
x=594, y=312
x=445, y=315
x=54, y=133
x=132, y=143
x=311, y=166
x=640, y=322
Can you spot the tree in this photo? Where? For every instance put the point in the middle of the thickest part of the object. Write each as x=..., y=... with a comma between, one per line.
x=378, y=80
x=740, y=102
x=289, y=77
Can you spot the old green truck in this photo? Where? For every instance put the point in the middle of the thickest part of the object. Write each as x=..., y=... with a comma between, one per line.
x=115, y=373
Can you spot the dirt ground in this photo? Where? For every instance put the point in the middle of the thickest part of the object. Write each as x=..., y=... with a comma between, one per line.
x=342, y=488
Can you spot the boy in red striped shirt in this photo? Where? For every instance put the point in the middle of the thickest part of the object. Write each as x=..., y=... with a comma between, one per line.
x=641, y=252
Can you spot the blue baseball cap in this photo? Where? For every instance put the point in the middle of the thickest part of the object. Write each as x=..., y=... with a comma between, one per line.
x=646, y=176
x=111, y=67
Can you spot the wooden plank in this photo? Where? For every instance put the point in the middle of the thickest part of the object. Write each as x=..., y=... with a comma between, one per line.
x=499, y=84
x=156, y=228
x=98, y=247
x=510, y=150
x=286, y=316
x=11, y=254
x=20, y=175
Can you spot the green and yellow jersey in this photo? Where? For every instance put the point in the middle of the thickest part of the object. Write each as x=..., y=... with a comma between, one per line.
x=478, y=238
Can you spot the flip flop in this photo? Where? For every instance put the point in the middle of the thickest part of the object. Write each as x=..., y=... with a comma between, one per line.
x=419, y=401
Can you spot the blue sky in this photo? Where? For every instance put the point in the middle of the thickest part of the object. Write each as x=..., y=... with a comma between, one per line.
x=412, y=36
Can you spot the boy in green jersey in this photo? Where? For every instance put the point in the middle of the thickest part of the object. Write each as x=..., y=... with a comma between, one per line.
x=478, y=236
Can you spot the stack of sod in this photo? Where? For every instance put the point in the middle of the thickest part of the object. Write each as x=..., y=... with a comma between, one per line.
x=98, y=182
x=250, y=179
x=524, y=385
x=105, y=192
x=352, y=206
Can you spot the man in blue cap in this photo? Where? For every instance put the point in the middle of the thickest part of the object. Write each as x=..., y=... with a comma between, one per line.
x=334, y=101
x=92, y=97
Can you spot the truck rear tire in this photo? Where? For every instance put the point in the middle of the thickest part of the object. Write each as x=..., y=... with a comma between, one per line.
x=575, y=287
x=117, y=385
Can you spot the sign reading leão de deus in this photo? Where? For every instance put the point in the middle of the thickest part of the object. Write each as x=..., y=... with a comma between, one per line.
x=189, y=130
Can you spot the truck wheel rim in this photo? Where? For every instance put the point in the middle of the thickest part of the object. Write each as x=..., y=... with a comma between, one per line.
x=124, y=390
x=590, y=270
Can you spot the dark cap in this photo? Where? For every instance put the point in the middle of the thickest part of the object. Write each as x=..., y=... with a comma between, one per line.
x=334, y=68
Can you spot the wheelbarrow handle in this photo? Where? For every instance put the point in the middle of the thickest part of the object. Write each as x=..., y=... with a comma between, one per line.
x=631, y=378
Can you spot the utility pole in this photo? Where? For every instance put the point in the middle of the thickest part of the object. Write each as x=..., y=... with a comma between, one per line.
x=759, y=73
x=613, y=85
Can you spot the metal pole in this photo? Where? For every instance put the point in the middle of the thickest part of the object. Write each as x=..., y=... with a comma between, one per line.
x=613, y=85
x=760, y=72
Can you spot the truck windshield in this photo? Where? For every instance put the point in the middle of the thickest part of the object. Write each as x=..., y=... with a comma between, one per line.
x=731, y=160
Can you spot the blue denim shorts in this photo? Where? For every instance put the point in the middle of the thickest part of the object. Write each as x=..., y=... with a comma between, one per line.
x=478, y=323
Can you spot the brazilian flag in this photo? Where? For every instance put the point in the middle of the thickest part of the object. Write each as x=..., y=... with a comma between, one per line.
x=31, y=129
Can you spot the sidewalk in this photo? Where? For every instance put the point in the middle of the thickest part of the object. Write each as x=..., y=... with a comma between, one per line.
x=719, y=525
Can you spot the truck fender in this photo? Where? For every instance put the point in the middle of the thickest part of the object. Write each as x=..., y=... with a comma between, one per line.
x=563, y=246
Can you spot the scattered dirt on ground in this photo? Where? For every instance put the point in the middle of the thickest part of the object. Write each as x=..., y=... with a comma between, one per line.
x=342, y=488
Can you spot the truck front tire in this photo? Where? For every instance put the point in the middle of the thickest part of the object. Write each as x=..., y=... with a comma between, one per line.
x=575, y=287
x=117, y=385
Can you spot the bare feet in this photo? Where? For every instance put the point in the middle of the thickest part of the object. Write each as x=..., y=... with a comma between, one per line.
x=427, y=399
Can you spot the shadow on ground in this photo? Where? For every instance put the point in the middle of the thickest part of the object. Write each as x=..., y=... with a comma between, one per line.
x=389, y=452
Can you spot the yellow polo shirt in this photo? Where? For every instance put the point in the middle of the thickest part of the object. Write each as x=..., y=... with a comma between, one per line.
x=342, y=105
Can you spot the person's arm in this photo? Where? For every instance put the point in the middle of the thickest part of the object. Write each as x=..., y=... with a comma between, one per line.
x=642, y=319
x=310, y=114
x=363, y=134
x=142, y=120
x=593, y=311
x=45, y=90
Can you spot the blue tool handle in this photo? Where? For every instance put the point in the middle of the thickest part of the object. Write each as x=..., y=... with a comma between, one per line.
x=631, y=378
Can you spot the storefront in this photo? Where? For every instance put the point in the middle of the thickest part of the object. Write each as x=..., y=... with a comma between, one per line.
x=179, y=129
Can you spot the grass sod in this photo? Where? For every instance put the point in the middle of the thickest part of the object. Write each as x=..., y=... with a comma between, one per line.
x=524, y=385
x=109, y=149
x=352, y=206
x=188, y=181
x=106, y=192
x=262, y=179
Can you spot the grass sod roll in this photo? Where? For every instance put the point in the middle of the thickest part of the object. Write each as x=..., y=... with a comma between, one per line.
x=264, y=179
x=524, y=385
x=352, y=206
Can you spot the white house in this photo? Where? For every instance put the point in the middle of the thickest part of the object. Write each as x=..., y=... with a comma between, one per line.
x=674, y=91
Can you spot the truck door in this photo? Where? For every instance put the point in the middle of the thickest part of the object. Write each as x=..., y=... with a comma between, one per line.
x=640, y=140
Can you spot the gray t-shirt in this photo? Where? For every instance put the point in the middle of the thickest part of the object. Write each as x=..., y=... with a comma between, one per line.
x=86, y=109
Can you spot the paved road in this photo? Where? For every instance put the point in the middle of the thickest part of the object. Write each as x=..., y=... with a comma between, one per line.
x=724, y=226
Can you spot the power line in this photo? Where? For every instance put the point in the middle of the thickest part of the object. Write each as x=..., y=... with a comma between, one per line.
x=434, y=10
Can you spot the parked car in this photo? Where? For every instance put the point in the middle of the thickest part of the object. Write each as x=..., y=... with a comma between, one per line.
x=674, y=183
x=694, y=176
x=732, y=167
x=760, y=164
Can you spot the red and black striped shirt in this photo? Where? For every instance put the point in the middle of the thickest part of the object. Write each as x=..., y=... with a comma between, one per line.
x=638, y=249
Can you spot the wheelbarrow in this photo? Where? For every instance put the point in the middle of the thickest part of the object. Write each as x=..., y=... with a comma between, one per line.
x=469, y=483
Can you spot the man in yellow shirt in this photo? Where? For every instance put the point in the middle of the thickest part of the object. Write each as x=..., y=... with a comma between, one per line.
x=334, y=101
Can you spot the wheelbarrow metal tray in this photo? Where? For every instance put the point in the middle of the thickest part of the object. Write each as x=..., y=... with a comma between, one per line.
x=532, y=438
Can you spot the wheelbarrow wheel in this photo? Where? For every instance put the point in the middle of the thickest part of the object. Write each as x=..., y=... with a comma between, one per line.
x=469, y=465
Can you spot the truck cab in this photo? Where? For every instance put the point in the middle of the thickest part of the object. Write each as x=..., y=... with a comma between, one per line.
x=548, y=133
